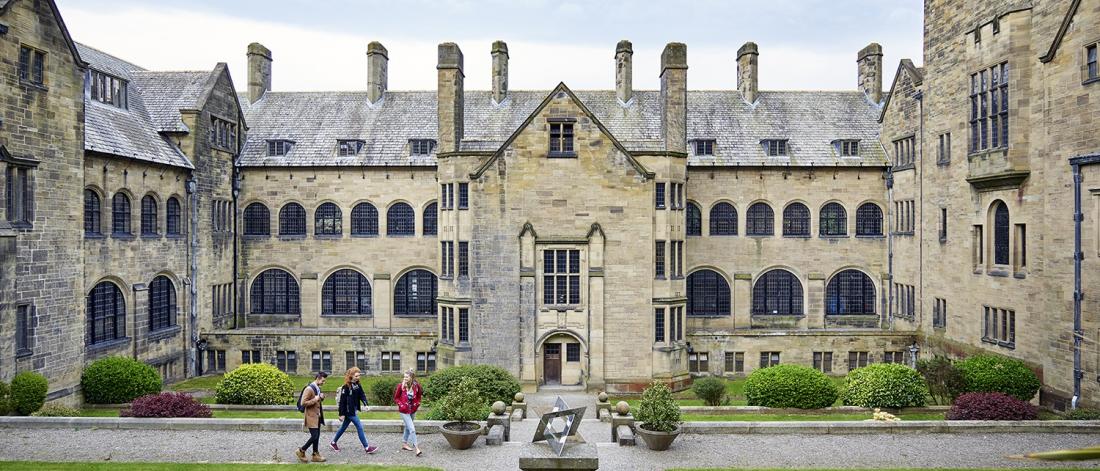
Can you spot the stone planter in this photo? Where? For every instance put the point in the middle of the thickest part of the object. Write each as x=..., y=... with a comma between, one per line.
x=461, y=435
x=656, y=441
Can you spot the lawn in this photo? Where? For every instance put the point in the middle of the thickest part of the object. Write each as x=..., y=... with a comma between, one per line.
x=114, y=466
x=872, y=469
x=245, y=414
x=735, y=388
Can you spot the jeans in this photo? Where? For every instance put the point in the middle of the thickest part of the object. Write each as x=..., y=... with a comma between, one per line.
x=410, y=430
x=314, y=437
x=351, y=419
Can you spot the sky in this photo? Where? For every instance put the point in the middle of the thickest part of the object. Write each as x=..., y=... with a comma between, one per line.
x=321, y=44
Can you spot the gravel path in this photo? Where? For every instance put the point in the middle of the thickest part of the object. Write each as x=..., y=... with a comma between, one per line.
x=743, y=451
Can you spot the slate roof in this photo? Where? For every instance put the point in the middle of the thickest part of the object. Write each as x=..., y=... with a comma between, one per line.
x=133, y=132
x=811, y=121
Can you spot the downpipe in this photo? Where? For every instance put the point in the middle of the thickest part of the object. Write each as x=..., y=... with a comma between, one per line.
x=1078, y=256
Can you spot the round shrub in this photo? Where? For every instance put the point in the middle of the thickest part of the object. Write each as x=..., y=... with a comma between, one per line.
x=5, y=398
x=990, y=406
x=494, y=383
x=711, y=390
x=28, y=392
x=118, y=380
x=790, y=386
x=166, y=404
x=994, y=373
x=889, y=385
x=657, y=411
x=382, y=388
x=56, y=410
x=255, y=384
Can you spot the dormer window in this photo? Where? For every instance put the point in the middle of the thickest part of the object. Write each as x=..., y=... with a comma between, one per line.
x=703, y=146
x=349, y=147
x=421, y=146
x=278, y=147
x=108, y=89
x=775, y=147
x=561, y=137
x=848, y=148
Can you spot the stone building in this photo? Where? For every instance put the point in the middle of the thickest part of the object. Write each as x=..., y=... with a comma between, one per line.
x=595, y=239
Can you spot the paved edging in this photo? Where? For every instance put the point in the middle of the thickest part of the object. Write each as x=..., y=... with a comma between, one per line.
x=827, y=410
x=255, y=425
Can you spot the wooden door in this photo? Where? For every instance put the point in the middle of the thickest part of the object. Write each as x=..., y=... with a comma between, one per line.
x=551, y=364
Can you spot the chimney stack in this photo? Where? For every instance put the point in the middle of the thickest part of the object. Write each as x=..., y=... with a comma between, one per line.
x=449, y=93
x=748, y=72
x=259, y=71
x=870, y=72
x=624, y=71
x=377, y=71
x=674, y=97
x=500, y=71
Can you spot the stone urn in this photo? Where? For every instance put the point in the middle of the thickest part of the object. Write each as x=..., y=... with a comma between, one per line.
x=461, y=435
x=657, y=441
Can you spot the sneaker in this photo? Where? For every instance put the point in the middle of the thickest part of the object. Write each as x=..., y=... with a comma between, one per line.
x=370, y=449
x=317, y=458
x=301, y=455
x=334, y=446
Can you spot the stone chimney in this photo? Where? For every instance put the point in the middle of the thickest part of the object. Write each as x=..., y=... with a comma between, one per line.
x=377, y=71
x=870, y=72
x=624, y=71
x=748, y=72
x=500, y=71
x=259, y=71
x=674, y=97
x=449, y=94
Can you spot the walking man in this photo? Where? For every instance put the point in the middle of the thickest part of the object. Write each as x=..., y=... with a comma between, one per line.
x=310, y=403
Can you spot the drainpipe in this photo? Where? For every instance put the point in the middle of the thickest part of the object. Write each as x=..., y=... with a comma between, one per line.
x=919, y=96
x=236, y=183
x=1078, y=256
x=890, y=250
x=192, y=350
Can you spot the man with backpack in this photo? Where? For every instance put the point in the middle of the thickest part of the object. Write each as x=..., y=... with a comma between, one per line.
x=309, y=402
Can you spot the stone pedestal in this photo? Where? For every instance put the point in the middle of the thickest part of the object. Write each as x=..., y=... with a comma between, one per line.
x=520, y=406
x=578, y=455
x=603, y=411
x=503, y=421
x=620, y=420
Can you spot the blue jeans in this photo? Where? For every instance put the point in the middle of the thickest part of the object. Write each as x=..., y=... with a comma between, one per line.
x=410, y=431
x=351, y=419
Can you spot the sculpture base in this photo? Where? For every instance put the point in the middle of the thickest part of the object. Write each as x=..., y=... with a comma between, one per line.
x=577, y=455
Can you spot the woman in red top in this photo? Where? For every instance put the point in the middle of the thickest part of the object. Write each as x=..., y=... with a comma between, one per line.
x=407, y=396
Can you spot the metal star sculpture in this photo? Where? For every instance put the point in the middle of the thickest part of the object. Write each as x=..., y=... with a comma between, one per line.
x=558, y=425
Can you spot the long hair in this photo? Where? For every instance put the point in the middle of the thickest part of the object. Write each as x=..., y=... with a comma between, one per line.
x=349, y=375
x=411, y=373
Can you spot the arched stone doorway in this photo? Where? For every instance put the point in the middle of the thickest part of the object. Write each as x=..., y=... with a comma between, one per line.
x=561, y=359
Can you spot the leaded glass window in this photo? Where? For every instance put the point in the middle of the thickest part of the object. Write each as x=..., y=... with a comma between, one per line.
x=708, y=294
x=868, y=220
x=850, y=292
x=292, y=220
x=120, y=214
x=561, y=277
x=760, y=220
x=694, y=224
x=346, y=293
x=148, y=216
x=364, y=220
x=92, y=213
x=275, y=292
x=414, y=294
x=833, y=220
x=328, y=220
x=796, y=220
x=1000, y=233
x=162, y=304
x=257, y=220
x=778, y=292
x=723, y=220
x=430, y=220
x=106, y=311
x=172, y=216
x=400, y=220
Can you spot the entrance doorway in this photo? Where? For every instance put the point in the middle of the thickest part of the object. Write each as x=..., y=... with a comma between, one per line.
x=551, y=363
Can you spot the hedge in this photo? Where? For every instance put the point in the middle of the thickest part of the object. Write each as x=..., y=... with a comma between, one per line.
x=255, y=384
x=790, y=386
x=888, y=385
x=493, y=382
x=995, y=373
x=118, y=380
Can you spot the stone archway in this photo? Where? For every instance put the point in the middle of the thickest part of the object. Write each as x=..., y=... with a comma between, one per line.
x=560, y=359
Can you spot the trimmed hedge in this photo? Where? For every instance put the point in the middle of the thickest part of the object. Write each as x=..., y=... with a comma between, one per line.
x=118, y=380
x=493, y=382
x=5, y=398
x=995, y=373
x=166, y=404
x=886, y=385
x=711, y=390
x=790, y=386
x=382, y=388
x=28, y=392
x=991, y=406
x=255, y=384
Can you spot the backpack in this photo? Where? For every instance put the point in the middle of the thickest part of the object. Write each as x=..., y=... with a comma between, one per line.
x=316, y=390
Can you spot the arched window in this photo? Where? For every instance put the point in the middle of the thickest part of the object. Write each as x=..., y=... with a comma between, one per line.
x=148, y=215
x=723, y=220
x=708, y=294
x=275, y=292
x=850, y=292
x=257, y=220
x=92, y=224
x=760, y=220
x=430, y=220
x=120, y=214
x=777, y=292
x=1000, y=233
x=162, y=303
x=796, y=220
x=414, y=294
x=328, y=220
x=868, y=220
x=106, y=313
x=694, y=225
x=172, y=216
x=292, y=220
x=346, y=293
x=400, y=220
x=833, y=220
x=364, y=220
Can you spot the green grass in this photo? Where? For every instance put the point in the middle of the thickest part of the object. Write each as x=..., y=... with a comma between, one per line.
x=207, y=384
x=735, y=388
x=807, y=417
x=874, y=469
x=243, y=414
x=115, y=466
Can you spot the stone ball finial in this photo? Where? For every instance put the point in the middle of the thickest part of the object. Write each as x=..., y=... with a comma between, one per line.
x=622, y=408
x=602, y=396
x=499, y=408
x=519, y=397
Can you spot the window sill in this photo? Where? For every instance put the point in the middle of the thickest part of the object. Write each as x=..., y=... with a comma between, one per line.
x=1001, y=272
x=903, y=233
x=561, y=307
x=446, y=277
x=19, y=354
x=724, y=235
x=256, y=236
x=107, y=345
x=904, y=167
x=431, y=235
x=415, y=316
x=150, y=236
x=463, y=208
x=275, y=314
x=561, y=155
x=364, y=236
x=939, y=327
x=760, y=236
x=37, y=86
x=707, y=316
x=292, y=237
x=1008, y=345
x=982, y=153
x=400, y=236
x=93, y=236
x=175, y=237
x=1091, y=81
x=328, y=236
x=1020, y=275
x=122, y=236
x=164, y=333
x=677, y=277
x=943, y=240
x=842, y=236
x=659, y=278
x=348, y=316
x=797, y=236
x=943, y=163
x=870, y=236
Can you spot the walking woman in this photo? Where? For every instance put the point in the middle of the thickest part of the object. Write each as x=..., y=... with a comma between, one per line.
x=349, y=398
x=407, y=396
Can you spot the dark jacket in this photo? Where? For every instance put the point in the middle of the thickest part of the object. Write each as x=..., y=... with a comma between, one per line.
x=350, y=399
x=401, y=398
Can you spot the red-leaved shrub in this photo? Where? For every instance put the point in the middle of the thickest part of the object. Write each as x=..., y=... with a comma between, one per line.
x=166, y=404
x=990, y=406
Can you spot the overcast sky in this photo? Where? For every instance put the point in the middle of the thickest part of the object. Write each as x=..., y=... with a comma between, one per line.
x=804, y=44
